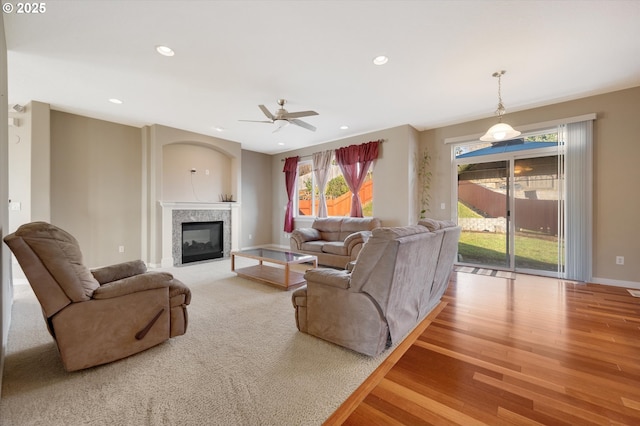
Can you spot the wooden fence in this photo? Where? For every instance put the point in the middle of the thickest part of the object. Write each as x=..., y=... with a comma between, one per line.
x=340, y=206
x=532, y=215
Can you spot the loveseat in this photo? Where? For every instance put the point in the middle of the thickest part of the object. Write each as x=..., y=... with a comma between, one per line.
x=398, y=278
x=336, y=241
x=100, y=315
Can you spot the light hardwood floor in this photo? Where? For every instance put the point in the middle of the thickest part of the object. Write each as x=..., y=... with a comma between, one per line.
x=527, y=351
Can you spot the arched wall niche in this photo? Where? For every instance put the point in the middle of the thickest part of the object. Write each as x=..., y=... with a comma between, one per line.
x=195, y=172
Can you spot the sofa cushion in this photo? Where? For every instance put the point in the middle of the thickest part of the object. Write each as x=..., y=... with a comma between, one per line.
x=335, y=247
x=447, y=224
x=434, y=224
x=430, y=224
x=308, y=234
x=355, y=224
x=315, y=246
x=329, y=228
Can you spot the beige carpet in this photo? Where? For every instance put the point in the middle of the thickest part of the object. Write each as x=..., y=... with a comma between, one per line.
x=242, y=362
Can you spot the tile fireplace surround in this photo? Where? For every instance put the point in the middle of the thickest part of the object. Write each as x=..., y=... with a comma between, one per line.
x=176, y=213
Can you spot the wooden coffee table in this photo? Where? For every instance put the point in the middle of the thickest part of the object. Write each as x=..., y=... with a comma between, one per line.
x=282, y=277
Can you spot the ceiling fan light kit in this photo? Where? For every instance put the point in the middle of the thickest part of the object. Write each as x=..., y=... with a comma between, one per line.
x=501, y=131
x=280, y=123
x=283, y=118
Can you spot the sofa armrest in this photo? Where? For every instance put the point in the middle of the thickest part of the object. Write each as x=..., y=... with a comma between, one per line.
x=134, y=284
x=356, y=238
x=302, y=235
x=328, y=277
x=119, y=271
x=299, y=297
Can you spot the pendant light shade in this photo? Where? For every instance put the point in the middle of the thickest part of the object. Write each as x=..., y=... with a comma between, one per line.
x=501, y=131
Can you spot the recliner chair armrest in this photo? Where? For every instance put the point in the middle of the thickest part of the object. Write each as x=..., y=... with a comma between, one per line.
x=177, y=288
x=119, y=271
x=328, y=277
x=134, y=284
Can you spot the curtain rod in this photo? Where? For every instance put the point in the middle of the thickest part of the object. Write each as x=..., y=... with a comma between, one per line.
x=311, y=155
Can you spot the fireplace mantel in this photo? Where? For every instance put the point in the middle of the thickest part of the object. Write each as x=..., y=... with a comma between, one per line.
x=168, y=207
x=197, y=205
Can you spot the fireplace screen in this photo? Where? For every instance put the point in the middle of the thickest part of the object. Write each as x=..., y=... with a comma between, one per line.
x=202, y=241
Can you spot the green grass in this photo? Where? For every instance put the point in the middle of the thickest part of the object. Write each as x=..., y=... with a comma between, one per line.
x=490, y=249
x=367, y=209
x=532, y=251
x=466, y=212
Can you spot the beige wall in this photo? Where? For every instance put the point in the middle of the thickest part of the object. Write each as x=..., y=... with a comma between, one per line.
x=394, y=190
x=616, y=174
x=29, y=168
x=40, y=161
x=20, y=169
x=6, y=296
x=103, y=181
x=211, y=178
x=96, y=186
x=257, y=207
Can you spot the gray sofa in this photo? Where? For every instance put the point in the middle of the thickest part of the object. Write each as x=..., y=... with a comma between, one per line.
x=336, y=241
x=398, y=278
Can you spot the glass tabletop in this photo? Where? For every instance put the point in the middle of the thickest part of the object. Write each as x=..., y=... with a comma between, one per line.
x=283, y=256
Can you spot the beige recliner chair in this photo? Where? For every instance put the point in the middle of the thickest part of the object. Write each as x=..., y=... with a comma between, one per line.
x=102, y=315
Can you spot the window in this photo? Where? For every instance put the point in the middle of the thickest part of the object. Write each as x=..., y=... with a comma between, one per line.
x=336, y=192
x=306, y=188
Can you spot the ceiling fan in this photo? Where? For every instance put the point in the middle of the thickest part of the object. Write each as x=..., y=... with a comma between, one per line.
x=282, y=117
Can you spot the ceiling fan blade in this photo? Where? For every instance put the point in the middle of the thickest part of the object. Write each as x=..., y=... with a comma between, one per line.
x=266, y=112
x=303, y=124
x=299, y=114
x=258, y=121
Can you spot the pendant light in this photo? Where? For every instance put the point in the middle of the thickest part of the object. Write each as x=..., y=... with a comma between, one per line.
x=501, y=131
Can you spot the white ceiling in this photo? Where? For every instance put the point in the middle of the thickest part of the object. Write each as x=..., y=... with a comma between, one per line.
x=233, y=55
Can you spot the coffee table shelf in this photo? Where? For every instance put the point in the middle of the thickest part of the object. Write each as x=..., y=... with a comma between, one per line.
x=281, y=276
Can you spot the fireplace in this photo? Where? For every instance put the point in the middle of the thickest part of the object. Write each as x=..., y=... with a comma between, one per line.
x=174, y=214
x=202, y=241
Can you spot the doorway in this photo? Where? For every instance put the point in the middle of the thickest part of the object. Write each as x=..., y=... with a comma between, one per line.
x=510, y=204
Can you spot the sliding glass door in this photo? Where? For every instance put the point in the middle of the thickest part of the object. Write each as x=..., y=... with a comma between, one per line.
x=483, y=210
x=510, y=205
x=536, y=201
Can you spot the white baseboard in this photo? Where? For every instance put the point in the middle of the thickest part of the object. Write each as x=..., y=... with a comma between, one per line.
x=616, y=283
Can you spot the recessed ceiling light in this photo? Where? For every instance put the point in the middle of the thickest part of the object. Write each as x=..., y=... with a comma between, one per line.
x=281, y=143
x=344, y=127
x=165, y=51
x=115, y=101
x=219, y=129
x=380, y=60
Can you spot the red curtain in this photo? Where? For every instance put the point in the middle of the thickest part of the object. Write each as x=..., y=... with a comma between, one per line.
x=354, y=161
x=290, y=171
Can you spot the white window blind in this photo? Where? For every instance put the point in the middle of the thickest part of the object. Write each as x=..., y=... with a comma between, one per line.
x=578, y=199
